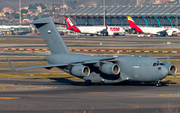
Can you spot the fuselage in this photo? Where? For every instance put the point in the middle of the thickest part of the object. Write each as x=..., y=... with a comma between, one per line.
x=152, y=29
x=114, y=29
x=156, y=30
x=91, y=29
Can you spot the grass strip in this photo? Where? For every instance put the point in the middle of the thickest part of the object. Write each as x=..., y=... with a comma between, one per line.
x=21, y=64
x=7, y=87
x=172, y=79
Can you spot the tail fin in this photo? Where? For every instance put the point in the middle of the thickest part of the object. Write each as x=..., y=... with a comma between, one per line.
x=133, y=25
x=71, y=26
x=51, y=36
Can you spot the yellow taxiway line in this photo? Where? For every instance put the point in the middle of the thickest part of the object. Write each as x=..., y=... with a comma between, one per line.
x=6, y=98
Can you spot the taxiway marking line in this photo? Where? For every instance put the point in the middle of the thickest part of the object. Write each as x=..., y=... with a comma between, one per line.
x=169, y=95
x=137, y=107
x=7, y=98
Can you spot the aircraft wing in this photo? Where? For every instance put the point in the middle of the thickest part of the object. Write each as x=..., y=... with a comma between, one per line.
x=60, y=65
x=94, y=61
x=94, y=32
x=163, y=31
x=159, y=32
x=98, y=31
x=34, y=67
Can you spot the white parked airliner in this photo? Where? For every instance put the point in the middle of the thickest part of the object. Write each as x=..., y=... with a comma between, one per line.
x=152, y=30
x=108, y=30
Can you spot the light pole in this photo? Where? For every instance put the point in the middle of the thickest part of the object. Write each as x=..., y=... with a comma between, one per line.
x=63, y=7
x=20, y=14
x=63, y=13
x=137, y=2
x=20, y=11
x=104, y=13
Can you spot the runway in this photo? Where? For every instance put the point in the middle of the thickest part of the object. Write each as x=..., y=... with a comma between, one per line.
x=62, y=96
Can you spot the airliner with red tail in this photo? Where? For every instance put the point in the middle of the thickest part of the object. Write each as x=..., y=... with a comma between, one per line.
x=85, y=29
x=152, y=30
x=107, y=30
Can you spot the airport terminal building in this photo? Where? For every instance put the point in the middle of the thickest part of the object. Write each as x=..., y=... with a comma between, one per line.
x=152, y=15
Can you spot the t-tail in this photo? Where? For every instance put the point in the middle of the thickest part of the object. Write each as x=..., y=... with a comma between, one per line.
x=51, y=36
x=133, y=25
x=71, y=26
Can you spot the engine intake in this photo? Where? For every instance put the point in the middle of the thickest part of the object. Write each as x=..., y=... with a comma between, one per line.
x=110, y=69
x=80, y=71
x=172, y=70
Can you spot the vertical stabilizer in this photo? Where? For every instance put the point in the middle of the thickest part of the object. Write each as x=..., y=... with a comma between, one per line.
x=71, y=26
x=133, y=25
x=51, y=36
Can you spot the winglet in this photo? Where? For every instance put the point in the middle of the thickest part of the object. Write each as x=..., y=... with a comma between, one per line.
x=11, y=65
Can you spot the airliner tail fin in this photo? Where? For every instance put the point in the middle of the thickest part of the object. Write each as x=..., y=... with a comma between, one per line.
x=133, y=25
x=71, y=26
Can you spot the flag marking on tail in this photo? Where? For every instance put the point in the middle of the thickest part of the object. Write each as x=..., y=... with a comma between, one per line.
x=71, y=26
x=133, y=25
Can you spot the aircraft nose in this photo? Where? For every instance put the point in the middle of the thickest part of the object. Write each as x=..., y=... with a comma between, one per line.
x=164, y=71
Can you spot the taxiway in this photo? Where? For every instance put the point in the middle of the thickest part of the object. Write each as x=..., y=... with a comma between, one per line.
x=60, y=96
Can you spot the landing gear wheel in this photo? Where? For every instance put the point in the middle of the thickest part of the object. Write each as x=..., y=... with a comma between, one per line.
x=158, y=83
x=102, y=83
x=88, y=82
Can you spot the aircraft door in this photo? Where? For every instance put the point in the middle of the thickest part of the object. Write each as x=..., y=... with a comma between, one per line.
x=137, y=71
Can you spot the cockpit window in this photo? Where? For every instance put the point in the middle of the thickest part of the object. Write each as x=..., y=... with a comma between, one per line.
x=162, y=64
x=157, y=64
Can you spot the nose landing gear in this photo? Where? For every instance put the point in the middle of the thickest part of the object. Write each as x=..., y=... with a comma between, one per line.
x=158, y=84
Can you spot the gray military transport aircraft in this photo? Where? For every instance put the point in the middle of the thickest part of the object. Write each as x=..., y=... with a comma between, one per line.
x=98, y=69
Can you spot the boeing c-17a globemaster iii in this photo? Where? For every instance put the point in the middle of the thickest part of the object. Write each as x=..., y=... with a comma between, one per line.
x=98, y=69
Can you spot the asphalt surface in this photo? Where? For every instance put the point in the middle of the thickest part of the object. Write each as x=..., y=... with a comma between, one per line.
x=63, y=96
x=125, y=41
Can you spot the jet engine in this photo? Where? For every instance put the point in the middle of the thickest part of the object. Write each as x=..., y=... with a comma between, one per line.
x=172, y=70
x=80, y=71
x=110, y=69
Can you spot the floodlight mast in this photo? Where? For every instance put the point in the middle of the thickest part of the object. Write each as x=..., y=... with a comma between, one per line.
x=104, y=13
x=20, y=14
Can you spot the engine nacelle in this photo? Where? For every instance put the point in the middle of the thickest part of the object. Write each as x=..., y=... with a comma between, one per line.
x=169, y=32
x=172, y=70
x=110, y=69
x=80, y=71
